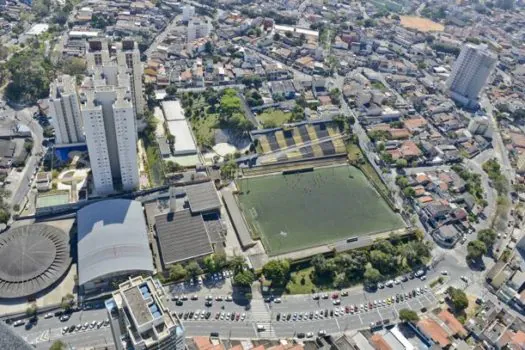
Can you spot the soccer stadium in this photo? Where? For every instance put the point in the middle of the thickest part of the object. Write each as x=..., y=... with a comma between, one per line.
x=301, y=209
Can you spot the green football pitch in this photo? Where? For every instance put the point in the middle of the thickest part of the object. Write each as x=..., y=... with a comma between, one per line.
x=303, y=210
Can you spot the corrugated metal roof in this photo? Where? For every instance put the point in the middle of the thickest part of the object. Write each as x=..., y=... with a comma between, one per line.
x=202, y=197
x=112, y=238
x=181, y=236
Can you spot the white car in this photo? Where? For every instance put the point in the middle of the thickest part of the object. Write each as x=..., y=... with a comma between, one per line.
x=277, y=300
x=48, y=315
x=464, y=279
x=444, y=273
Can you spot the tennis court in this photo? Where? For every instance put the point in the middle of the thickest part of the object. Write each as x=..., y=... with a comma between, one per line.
x=303, y=210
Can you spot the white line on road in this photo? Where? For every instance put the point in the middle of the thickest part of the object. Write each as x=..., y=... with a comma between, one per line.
x=381, y=317
x=337, y=323
x=360, y=319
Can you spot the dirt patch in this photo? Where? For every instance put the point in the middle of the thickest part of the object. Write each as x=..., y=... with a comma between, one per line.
x=421, y=24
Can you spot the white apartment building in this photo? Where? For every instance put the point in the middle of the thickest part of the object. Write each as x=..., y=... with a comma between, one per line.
x=109, y=123
x=188, y=12
x=140, y=319
x=64, y=109
x=480, y=125
x=128, y=54
x=471, y=70
x=198, y=28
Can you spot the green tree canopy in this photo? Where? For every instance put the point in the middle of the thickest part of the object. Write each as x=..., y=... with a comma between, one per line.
x=407, y=315
x=476, y=249
x=487, y=236
x=193, y=269
x=237, y=263
x=277, y=271
x=177, y=272
x=57, y=345
x=372, y=275
x=458, y=298
x=244, y=278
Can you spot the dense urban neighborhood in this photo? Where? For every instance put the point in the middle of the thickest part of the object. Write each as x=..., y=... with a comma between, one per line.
x=280, y=174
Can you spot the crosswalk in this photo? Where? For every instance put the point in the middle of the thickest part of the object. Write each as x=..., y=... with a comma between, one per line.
x=261, y=313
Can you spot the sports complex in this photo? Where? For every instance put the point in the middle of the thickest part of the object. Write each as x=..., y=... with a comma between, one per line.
x=310, y=207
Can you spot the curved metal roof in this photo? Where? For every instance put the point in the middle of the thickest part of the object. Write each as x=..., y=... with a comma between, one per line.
x=112, y=239
x=32, y=258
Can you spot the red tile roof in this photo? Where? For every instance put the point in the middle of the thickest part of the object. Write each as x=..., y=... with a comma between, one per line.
x=452, y=322
x=379, y=342
x=434, y=331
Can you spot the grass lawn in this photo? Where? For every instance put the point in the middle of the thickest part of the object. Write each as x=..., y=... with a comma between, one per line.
x=155, y=166
x=295, y=286
x=354, y=152
x=303, y=210
x=204, y=128
x=301, y=283
x=273, y=118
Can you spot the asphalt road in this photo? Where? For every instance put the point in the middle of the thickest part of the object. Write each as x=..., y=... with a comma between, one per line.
x=25, y=117
x=260, y=313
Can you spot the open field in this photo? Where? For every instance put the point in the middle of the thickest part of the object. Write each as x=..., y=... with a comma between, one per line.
x=421, y=24
x=273, y=117
x=303, y=210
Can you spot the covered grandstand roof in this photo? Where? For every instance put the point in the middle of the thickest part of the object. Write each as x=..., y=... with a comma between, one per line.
x=32, y=258
x=112, y=238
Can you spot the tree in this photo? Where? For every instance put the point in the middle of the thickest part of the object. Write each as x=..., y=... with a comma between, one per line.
x=322, y=267
x=58, y=345
x=372, y=276
x=420, y=234
x=458, y=298
x=177, y=272
x=30, y=76
x=369, y=23
x=74, y=66
x=31, y=310
x=4, y=216
x=193, y=269
x=229, y=169
x=401, y=163
x=487, y=236
x=173, y=167
x=237, y=263
x=277, y=271
x=244, y=278
x=171, y=90
x=276, y=37
x=220, y=260
x=476, y=249
x=409, y=192
x=28, y=146
x=407, y=315
x=67, y=302
x=209, y=264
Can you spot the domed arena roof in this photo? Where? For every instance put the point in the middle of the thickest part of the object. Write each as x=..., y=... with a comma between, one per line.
x=32, y=258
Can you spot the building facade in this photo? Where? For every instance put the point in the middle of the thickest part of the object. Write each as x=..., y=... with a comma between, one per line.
x=109, y=122
x=188, y=12
x=198, y=28
x=471, y=70
x=140, y=319
x=64, y=109
x=128, y=55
